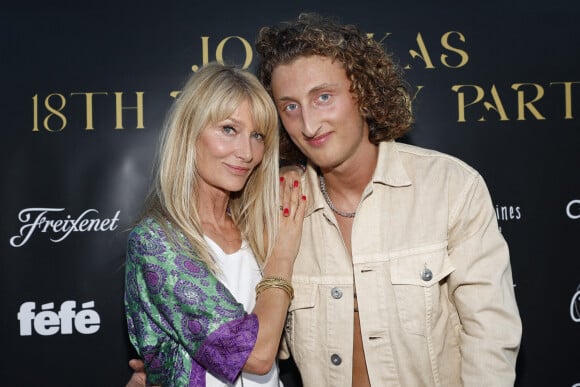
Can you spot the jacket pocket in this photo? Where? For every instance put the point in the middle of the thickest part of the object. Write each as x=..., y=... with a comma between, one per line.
x=418, y=278
x=301, y=319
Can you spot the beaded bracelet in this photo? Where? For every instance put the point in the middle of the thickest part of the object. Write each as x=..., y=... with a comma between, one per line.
x=275, y=282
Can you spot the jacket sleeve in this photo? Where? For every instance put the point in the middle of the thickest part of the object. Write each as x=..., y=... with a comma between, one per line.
x=175, y=304
x=482, y=290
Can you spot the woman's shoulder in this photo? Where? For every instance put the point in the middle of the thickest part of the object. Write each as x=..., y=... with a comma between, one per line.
x=150, y=227
x=150, y=234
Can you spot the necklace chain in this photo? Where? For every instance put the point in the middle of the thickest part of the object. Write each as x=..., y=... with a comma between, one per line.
x=329, y=202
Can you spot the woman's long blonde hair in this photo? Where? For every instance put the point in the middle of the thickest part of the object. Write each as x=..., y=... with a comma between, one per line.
x=209, y=96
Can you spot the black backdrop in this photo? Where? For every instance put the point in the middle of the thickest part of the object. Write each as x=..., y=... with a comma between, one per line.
x=84, y=91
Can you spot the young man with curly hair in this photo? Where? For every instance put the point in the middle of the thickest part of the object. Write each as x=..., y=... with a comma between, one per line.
x=403, y=278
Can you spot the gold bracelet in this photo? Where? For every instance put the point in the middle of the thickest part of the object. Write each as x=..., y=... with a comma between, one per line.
x=275, y=282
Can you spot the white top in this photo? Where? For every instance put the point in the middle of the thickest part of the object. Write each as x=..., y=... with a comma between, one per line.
x=240, y=273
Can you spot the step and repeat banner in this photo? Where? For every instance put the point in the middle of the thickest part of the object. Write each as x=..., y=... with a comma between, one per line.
x=85, y=88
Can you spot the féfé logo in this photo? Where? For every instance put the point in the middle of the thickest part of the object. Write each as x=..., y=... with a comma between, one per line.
x=45, y=321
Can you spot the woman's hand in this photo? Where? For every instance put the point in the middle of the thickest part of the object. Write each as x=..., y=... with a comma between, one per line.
x=293, y=209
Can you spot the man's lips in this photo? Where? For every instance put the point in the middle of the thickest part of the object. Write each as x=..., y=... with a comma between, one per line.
x=319, y=140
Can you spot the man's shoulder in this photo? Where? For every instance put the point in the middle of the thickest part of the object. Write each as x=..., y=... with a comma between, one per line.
x=441, y=161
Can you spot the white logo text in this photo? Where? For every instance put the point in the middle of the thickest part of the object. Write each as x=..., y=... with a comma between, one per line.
x=47, y=322
x=34, y=219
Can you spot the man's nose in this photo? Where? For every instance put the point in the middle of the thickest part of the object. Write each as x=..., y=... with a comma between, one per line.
x=310, y=123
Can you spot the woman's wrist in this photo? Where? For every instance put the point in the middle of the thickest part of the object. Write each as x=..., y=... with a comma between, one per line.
x=268, y=283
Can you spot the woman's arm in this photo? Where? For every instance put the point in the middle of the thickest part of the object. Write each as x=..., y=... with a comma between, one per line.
x=272, y=303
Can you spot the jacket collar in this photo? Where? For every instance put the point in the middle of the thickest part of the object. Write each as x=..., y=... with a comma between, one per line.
x=389, y=171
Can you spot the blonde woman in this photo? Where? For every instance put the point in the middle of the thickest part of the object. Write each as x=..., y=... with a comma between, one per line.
x=207, y=277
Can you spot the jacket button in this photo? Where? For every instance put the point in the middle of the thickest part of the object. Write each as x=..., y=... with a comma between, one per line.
x=335, y=359
x=426, y=274
x=336, y=293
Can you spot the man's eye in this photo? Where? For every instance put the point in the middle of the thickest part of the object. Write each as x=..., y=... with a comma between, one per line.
x=324, y=97
x=291, y=107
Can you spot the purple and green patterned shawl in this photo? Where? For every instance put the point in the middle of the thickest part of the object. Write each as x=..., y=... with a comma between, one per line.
x=182, y=320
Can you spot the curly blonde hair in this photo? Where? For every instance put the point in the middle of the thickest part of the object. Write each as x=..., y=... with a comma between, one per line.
x=376, y=80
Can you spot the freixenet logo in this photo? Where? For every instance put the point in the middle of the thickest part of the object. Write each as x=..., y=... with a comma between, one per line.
x=46, y=220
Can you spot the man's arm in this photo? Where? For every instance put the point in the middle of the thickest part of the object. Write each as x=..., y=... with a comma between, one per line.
x=482, y=290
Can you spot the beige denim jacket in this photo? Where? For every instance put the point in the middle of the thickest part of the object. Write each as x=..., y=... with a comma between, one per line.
x=433, y=280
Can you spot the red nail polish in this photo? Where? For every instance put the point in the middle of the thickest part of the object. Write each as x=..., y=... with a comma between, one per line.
x=295, y=183
x=286, y=212
x=281, y=179
x=303, y=197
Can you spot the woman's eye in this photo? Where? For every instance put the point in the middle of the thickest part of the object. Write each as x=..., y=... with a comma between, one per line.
x=229, y=129
x=258, y=136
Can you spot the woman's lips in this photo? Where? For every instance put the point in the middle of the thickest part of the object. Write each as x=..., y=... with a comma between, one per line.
x=238, y=170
